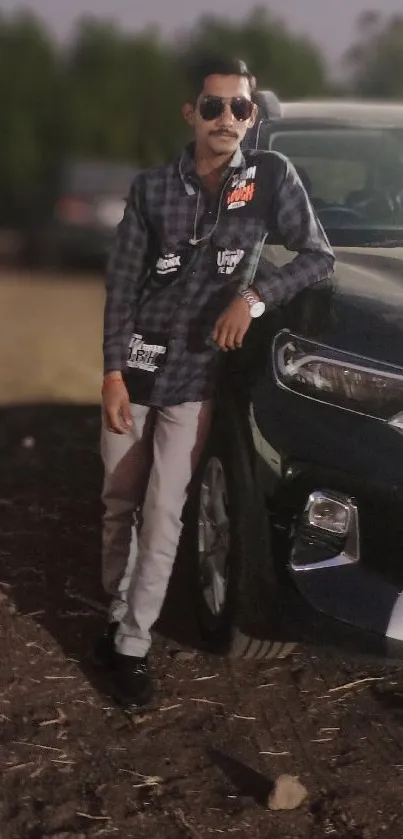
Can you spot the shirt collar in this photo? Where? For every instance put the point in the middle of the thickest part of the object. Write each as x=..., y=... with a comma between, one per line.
x=187, y=169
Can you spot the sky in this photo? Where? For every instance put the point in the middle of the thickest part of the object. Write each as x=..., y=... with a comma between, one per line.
x=329, y=22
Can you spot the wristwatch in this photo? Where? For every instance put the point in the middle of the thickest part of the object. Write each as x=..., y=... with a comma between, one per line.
x=257, y=307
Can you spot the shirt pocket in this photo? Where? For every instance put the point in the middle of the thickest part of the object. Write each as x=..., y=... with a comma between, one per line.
x=237, y=249
x=239, y=231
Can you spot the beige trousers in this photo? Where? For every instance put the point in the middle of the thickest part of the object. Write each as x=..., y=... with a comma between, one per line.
x=146, y=476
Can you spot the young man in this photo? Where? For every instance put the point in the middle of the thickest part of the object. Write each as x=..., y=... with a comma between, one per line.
x=182, y=289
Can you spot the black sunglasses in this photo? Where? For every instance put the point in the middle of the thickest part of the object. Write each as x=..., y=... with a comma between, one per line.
x=212, y=107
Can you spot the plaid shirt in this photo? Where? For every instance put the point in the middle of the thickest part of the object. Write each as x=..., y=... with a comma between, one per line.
x=181, y=255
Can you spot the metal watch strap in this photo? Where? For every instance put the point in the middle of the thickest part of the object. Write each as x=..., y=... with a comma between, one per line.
x=250, y=297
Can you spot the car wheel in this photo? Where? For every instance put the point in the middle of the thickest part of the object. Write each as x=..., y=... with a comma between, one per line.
x=233, y=577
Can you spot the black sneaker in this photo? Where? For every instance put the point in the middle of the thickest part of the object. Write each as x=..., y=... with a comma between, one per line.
x=104, y=651
x=133, y=687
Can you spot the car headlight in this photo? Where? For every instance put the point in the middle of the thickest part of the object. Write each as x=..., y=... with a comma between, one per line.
x=338, y=378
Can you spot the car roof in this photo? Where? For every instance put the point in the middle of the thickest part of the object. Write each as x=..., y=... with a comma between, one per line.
x=97, y=175
x=356, y=111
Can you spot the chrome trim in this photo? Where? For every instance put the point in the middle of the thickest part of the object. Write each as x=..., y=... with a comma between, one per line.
x=351, y=553
x=397, y=422
x=264, y=449
x=395, y=625
x=306, y=359
x=375, y=370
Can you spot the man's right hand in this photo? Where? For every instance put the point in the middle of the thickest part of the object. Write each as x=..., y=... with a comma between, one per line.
x=116, y=404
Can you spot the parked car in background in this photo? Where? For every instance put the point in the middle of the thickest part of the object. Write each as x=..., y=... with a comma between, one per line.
x=78, y=220
x=297, y=513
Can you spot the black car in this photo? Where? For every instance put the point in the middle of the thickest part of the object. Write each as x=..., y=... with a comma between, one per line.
x=297, y=512
x=75, y=218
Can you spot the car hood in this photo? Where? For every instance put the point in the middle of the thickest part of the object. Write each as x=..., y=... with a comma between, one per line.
x=365, y=308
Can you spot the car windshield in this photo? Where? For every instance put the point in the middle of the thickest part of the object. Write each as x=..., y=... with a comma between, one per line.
x=354, y=177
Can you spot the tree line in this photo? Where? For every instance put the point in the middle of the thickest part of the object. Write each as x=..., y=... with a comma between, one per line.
x=116, y=95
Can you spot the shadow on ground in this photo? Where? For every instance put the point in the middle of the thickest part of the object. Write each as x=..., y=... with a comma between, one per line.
x=243, y=778
x=50, y=513
x=50, y=531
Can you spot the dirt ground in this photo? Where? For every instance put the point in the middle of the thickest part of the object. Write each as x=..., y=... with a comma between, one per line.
x=202, y=760
x=50, y=337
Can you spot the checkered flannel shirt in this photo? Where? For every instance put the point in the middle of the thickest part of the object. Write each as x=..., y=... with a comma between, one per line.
x=160, y=285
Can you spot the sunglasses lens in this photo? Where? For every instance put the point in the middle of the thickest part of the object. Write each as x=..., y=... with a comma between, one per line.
x=211, y=108
x=242, y=108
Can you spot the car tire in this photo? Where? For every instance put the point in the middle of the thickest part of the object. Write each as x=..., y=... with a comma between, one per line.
x=234, y=583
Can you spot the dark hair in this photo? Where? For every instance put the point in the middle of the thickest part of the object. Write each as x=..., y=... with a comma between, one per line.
x=213, y=65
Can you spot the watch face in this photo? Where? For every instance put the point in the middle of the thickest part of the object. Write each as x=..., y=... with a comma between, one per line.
x=257, y=309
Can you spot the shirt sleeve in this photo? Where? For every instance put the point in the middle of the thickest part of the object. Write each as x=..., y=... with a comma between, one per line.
x=297, y=229
x=124, y=275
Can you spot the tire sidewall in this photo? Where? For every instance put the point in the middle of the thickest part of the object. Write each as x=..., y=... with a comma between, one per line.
x=249, y=544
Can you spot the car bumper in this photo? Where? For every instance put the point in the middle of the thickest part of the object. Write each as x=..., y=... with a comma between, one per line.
x=355, y=577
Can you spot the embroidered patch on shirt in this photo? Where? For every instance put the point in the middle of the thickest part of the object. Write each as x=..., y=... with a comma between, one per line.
x=168, y=264
x=228, y=260
x=144, y=356
x=242, y=189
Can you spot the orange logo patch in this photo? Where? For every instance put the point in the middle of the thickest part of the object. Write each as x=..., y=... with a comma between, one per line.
x=240, y=196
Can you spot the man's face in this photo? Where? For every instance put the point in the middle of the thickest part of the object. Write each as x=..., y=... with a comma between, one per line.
x=221, y=135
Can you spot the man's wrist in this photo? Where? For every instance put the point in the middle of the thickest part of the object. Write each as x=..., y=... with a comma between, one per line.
x=112, y=377
x=250, y=292
x=254, y=301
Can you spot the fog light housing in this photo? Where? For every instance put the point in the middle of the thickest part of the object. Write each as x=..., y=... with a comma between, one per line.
x=328, y=514
x=327, y=533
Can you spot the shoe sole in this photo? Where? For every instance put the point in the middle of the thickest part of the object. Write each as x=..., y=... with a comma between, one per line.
x=128, y=704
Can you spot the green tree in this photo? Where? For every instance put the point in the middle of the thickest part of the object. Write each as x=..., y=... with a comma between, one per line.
x=123, y=95
x=290, y=65
x=110, y=94
x=376, y=59
x=30, y=109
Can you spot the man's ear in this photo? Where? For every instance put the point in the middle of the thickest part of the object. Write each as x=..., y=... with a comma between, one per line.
x=188, y=113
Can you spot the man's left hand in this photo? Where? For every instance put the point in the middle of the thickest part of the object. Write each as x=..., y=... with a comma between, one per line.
x=232, y=325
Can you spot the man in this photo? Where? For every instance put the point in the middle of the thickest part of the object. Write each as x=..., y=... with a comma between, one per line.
x=182, y=290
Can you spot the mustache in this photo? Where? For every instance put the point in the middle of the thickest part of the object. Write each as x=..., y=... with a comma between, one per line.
x=221, y=132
